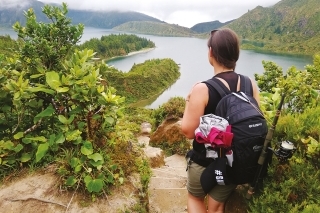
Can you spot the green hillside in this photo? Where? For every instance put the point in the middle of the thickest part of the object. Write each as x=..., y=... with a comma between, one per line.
x=155, y=28
x=291, y=26
x=208, y=26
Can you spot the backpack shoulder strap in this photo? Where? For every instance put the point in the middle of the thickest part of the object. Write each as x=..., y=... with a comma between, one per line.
x=246, y=85
x=219, y=86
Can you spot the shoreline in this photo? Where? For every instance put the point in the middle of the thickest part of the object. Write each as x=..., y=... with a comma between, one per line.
x=132, y=53
x=141, y=51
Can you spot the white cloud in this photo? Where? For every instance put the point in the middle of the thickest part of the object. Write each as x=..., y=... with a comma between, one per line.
x=183, y=12
x=13, y=3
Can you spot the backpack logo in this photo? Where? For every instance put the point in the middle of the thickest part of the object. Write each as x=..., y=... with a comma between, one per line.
x=255, y=125
x=257, y=148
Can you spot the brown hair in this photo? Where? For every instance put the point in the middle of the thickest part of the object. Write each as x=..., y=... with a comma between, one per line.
x=224, y=45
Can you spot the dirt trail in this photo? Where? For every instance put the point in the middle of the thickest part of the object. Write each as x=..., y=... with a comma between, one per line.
x=38, y=192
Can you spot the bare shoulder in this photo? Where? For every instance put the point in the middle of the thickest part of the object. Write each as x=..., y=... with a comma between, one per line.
x=199, y=93
x=200, y=86
x=255, y=90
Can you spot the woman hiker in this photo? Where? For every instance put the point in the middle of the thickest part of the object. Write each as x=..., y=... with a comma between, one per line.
x=223, y=53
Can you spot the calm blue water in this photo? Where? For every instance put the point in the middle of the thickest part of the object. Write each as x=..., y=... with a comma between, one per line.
x=191, y=54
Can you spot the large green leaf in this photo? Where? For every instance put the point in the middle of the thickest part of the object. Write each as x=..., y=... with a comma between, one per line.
x=87, y=180
x=25, y=157
x=87, y=148
x=18, y=148
x=74, y=135
x=64, y=120
x=18, y=135
x=71, y=181
x=36, y=75
x=6, y=145
x=110, y=120
x=53, y=79
x=62, y=89
x=96, y=157
x=42, y=150
x=45, y=113
x=95, y=185
x=60, y=138
x=41, y=89
x=74, y=162
x=40, y=138
x=98, y=164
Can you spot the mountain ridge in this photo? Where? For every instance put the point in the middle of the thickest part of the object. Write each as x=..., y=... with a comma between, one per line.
x=289, y=26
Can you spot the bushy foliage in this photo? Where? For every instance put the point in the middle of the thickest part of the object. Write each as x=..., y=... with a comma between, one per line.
x=292, y=186
x=171, y=140
x=299, y=86
x=135, y=116
x=47, y=45
x=144, y=80
x=55, y=108
x=173, y=108
x=304, y=130
x=270, y=77
x=8, y=46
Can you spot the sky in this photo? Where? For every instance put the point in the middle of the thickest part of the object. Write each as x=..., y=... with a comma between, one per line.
x=185, y=13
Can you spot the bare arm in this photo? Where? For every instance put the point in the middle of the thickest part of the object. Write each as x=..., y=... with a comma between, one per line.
x=255, y=91
x=195, y=103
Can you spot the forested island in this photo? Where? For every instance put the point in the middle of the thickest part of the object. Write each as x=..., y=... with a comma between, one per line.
x=116, y=45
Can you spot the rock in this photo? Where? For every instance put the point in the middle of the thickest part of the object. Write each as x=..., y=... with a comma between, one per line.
x=155, y=156
x=143, y=140
x=170, y=137
x=145, y=128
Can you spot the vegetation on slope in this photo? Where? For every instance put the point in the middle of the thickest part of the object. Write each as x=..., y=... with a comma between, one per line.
x=154, y=28
x=143, y=80
x=7, y=46
x=206, y=27
x=290, y=26
x=116, y=45
x=293, y=185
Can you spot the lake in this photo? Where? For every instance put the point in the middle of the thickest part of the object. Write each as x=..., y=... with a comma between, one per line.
x=191, y=54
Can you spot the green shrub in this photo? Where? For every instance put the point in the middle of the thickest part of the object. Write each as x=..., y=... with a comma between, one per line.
x=293, y=187
x=174, y=108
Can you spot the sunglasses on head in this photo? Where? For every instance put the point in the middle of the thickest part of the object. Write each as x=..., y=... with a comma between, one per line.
x=213, y=31
x=211, y=35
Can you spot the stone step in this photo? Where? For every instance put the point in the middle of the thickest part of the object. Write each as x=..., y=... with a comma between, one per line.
x=178, y=171
x=160, y=182
x=176, y=161
x=169, y=200
x=165, y=174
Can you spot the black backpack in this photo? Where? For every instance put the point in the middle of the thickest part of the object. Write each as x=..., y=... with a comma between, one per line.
x=247, y=124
